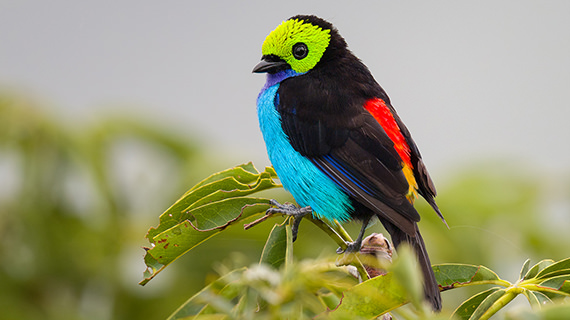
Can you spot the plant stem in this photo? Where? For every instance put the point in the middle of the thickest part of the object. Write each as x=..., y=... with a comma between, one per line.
x=336, y=236
x=341, y=237
x=501, y=302
x=342, y=232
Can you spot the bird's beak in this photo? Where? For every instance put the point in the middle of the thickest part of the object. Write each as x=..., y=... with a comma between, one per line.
x=270, y=65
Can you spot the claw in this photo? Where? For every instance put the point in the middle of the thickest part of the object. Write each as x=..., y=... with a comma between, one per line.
x=290, y=210
x=295, y=227
x=351, y=247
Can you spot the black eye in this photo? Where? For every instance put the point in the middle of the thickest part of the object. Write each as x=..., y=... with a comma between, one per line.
x=300, y=50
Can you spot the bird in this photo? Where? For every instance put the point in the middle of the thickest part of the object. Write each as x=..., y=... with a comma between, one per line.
x=335, y=140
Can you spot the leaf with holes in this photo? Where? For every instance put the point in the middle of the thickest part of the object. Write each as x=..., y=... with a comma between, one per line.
x=205, y=210
x=451, y=276
x=239, y=181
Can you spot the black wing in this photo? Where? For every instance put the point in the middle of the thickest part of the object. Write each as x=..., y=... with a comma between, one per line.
x=426, y=187
x=326, y=122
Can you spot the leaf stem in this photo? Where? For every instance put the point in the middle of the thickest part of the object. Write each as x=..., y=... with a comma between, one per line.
x=535, y=287
x=499, y=282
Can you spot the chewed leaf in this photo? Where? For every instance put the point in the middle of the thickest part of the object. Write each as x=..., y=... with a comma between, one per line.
x=176, y=241
x=235, y=182
x=230, y=189
x=218, y=215
x=450, y=276
x=153, y=267
x=205, y=210
x=245, y=173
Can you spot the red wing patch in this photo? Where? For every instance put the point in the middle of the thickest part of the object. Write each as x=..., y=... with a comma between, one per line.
x=380, y=111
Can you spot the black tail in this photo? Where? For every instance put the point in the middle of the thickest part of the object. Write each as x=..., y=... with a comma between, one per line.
x=431, y=288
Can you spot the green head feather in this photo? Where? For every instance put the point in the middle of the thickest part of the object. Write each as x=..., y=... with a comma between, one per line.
x=282, y=40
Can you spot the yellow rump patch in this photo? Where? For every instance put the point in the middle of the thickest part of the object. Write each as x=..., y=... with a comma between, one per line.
x=412, y=191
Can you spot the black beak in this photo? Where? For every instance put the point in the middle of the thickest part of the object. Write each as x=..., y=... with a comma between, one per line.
x=270, y=64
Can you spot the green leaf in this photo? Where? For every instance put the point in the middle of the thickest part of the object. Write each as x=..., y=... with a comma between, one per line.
x=199, y=302
x=525, y=268
x=235, y=182
x=244, y=172
x=275, y=249
x=289, y=252
x=550, y=312
x=559, y=283
x=536, y=299
x=152, y=268
x=451, y=276
x=218, y=215
x=212, y=316
x=176, y=241
x=554, y=267
x=407, y=272
x=329, y=300
x=555, y=273
x=206, y=209
x=230, y=187
x=537, y=268
x=493, y=303
x=477, y=304
x=370, y=298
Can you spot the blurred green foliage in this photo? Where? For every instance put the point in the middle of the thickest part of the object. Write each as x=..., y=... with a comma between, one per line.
x=76, y=200
x=72, y=201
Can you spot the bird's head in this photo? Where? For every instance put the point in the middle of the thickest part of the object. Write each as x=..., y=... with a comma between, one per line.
x=298, y=43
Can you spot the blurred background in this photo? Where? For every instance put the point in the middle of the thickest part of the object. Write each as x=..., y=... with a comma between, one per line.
x=109, y=111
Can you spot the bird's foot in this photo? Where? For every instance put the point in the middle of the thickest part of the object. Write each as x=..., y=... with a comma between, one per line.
x=288, y=209
x=351, y=247
x=291, y=210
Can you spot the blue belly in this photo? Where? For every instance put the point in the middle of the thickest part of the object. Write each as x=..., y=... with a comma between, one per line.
x=308, y=185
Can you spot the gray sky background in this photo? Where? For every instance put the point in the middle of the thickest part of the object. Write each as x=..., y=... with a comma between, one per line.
x=472, y=80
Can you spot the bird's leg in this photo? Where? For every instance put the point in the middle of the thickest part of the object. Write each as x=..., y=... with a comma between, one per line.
x=295, y=227
x=355, y=246
x=291, y=210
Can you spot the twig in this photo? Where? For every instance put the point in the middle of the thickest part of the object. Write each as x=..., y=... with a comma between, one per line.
x=260, y=220
x=341, y=237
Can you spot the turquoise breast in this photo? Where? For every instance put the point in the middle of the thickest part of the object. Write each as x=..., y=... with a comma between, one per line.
x=308, y=185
